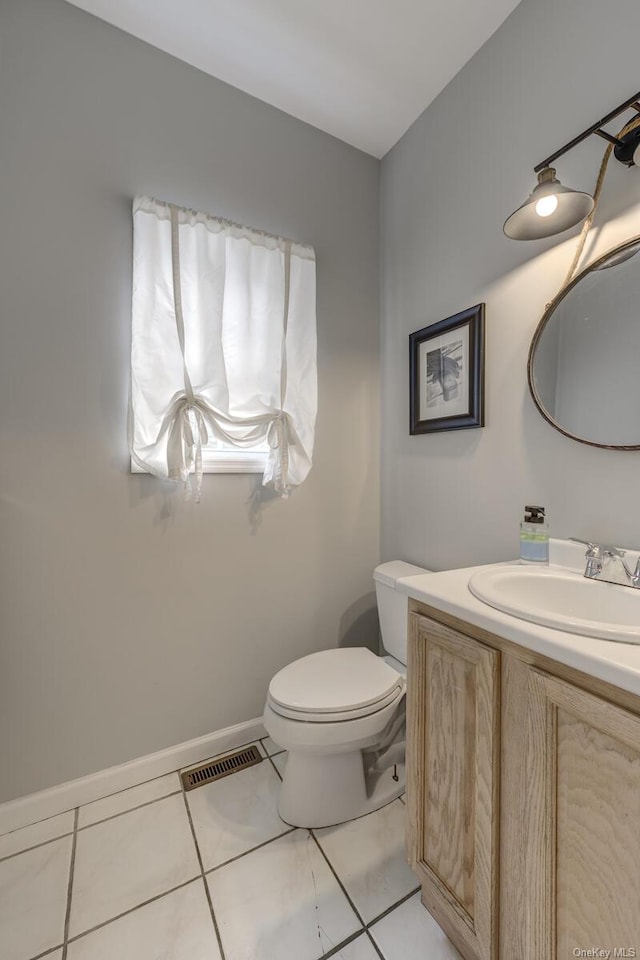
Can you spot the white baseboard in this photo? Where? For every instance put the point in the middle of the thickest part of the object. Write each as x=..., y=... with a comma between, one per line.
x=66, y=796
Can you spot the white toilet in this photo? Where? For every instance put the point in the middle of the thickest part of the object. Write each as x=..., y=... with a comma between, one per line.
x=341, y=715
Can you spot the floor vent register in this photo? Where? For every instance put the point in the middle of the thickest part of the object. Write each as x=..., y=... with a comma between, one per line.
x=224, y=767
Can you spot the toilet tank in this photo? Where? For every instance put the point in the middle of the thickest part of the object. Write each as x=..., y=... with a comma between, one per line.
x=392, y=605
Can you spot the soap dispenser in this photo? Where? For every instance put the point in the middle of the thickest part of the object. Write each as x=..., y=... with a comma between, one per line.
x=534, y=536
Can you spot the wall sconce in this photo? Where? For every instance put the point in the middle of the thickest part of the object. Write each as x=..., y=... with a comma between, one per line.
x=551, y=208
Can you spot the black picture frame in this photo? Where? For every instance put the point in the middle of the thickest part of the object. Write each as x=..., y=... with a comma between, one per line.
x=446, y=373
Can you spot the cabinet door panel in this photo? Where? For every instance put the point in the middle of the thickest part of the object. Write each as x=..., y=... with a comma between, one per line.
x=450, y=775
x=453, y=781
x=587, y=856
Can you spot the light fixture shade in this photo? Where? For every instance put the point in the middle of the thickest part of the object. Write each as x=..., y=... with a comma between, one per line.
x=573, y=206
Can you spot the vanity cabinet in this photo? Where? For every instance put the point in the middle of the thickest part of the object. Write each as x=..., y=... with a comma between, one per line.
x=523, y=796
x=453, y=771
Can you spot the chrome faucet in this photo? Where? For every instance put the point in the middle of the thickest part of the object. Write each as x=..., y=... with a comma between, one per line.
x=607, y=564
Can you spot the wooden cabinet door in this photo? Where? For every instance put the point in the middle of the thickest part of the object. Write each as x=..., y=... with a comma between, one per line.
x=452, y=781
x=583, y=846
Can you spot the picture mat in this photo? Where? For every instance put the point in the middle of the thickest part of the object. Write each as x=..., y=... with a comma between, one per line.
x=455, y=344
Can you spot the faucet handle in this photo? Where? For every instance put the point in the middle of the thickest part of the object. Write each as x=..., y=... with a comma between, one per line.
x=599, y=550
x=592, y=548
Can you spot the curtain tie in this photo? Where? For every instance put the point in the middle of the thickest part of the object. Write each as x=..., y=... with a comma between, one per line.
x=279, y=436
x=187, y=435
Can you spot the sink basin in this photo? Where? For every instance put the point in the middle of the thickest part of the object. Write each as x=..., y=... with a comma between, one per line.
x=562, y=600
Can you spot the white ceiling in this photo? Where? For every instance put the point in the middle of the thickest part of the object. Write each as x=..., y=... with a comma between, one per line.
x=362, y=70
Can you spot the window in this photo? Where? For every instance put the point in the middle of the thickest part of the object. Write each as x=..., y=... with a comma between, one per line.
x=219, y=457
x=223, y=349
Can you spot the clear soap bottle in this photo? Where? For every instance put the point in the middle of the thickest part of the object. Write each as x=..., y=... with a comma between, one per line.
x=534, y=536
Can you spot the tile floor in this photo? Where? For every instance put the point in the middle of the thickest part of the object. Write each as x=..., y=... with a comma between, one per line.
x=153, y=873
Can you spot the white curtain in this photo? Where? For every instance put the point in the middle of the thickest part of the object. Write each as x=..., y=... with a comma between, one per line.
x=223, y=344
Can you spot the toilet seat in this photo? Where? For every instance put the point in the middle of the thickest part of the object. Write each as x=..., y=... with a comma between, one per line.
x=335, y=685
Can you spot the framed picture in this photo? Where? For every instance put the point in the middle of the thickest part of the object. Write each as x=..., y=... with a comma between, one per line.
x=447, y=373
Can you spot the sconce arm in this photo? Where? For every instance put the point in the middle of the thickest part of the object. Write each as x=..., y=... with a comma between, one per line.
x=594, y=128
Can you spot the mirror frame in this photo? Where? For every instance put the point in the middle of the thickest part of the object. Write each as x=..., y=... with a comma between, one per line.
x=546, y=316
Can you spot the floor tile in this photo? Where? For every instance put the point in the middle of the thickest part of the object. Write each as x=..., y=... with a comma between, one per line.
x=123, y=862
x=175, y=927
x=31, y=836
x=128, y=799
x=270, y=746
x=359, y=949
x=235, y=814
x=410, y=933
x=280, y=760
x=280, y=902
x=368, y=856
x=33, y=900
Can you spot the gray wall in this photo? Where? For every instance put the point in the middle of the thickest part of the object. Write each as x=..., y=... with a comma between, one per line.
x=551, y=70
x=130, y=620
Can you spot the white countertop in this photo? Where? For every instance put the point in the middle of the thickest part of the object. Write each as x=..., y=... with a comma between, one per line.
x=613, y=662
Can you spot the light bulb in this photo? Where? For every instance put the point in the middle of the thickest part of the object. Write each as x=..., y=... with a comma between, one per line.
x=547, y=205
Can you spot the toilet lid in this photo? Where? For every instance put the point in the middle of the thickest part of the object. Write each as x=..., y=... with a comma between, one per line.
x=335, y=681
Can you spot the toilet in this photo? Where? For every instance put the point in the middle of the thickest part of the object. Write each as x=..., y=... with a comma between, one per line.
x=340, y=714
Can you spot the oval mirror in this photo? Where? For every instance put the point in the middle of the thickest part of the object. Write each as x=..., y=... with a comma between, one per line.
x=584, y=361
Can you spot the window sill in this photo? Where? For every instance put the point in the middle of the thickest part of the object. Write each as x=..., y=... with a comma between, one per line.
x=237, y=462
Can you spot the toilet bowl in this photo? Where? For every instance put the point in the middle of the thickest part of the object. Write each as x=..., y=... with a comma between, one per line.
x=340, y=714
